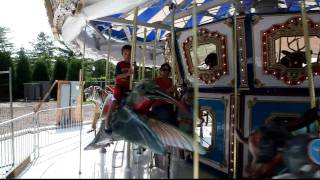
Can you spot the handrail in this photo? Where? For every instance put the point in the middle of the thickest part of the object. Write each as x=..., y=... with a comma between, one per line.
x=15, y=119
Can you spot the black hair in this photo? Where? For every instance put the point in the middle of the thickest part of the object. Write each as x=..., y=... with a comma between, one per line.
x=127, y=46
x=212, y=59
x=165, y=65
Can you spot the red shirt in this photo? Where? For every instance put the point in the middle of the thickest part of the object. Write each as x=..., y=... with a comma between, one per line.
x=164, y=84
x=122, y=68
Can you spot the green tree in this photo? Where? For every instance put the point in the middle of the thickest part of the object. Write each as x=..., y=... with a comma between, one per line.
x=23, y=73
x=40, y=71
x=74, y=67
x=59, y=73
x=99, y=68
x=5, y=63
x=42, y=46
x=5, y=44
x=64, y=51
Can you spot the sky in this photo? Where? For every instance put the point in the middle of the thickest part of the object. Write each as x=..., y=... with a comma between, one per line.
x=26, y=19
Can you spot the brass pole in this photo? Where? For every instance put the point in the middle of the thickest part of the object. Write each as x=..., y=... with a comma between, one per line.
x=235, y=108
x=134, y=40
x=196, y=93
x=154, y=55
x=133, y=56
x=173, y=48
x=144, y=52
x=308, y=55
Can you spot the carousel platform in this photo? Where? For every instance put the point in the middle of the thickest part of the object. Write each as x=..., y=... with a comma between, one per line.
x=62, y=161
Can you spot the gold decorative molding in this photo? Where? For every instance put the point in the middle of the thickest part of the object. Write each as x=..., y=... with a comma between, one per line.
x=209, y=76
x=293, y=73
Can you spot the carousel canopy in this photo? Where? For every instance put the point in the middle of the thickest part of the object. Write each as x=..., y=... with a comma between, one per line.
x=69, y=17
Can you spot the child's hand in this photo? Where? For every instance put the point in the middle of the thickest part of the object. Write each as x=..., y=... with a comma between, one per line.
x=130, y=72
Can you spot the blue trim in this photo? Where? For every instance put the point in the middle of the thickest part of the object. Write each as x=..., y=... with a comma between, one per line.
x=190, y=21
x=223, y=11
x=150, y=12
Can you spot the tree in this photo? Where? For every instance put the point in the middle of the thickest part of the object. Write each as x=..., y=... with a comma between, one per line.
x=64, y=51
x=5, y=44
x=5, y=63
x=99, y=68
x=74, y=67
x=43, y=46
x=40, y=71
x=23, y=73
x=59, y=73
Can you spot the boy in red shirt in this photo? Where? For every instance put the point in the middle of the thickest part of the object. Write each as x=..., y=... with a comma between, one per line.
x=122, y=79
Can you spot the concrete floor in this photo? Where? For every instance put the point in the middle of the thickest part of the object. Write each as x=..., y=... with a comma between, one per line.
x=62, y=161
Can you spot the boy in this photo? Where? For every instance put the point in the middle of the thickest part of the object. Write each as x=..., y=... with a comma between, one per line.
x=122, y=79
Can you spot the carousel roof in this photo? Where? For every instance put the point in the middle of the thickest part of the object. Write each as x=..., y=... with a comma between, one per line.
x=158, y=14
x=153, y=15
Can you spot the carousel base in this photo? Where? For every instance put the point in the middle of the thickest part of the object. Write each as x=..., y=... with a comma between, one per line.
x=62, y=161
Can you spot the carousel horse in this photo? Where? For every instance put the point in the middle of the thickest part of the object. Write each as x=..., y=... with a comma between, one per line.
x=275, y=148
x=99, y=97
x=131, y=122
x=102, y=99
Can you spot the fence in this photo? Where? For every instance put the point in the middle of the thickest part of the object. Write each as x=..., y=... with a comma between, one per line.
x=22, y=137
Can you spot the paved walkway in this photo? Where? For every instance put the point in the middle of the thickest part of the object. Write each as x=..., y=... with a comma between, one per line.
x=62, y=161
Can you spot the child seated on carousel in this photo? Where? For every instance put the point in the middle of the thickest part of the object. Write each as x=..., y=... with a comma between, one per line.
x=122, y=83
x=161, y=109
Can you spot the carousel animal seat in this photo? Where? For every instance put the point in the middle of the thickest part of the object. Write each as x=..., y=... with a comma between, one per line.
x=273, y=144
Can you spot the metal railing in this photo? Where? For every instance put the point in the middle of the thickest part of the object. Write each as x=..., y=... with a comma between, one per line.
x=24, y=136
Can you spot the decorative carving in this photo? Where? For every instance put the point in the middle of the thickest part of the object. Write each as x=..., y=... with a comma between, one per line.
x=241, y=45
x=287, y=65
x=258, y=83
x=256, y=19
x=213, y=40
x=242, y=52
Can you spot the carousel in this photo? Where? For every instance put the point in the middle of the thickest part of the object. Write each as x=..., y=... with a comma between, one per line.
x=246, y=75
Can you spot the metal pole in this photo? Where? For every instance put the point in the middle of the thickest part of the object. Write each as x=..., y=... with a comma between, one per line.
x=235, y=91
x=102, y=160
x=144, y=52
x=134, y=40
x=173, y=48
x=308, y=55
x=154, y=55
x=196, y=93
x=133, y=56
x=81, y=99
x=11, y=116
x=108, y=60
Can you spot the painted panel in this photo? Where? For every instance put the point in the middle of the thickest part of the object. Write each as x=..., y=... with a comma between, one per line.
x=217, y=156
x=260, y=24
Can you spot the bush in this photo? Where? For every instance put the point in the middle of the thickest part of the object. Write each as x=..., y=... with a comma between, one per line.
x=40, y=71
x=23, y=73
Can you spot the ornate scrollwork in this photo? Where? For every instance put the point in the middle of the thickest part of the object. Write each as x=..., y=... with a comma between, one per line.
x=216, y=43
x=283, y=51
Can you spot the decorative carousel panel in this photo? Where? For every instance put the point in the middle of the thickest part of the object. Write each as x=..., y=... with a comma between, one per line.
x=213, y=129
x=280, y=50
x=214, y=54
x=263, y=109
